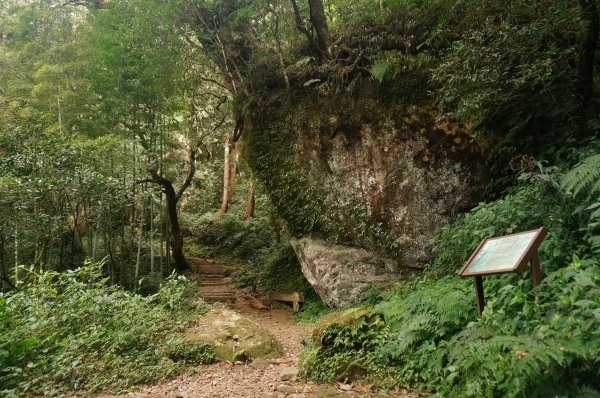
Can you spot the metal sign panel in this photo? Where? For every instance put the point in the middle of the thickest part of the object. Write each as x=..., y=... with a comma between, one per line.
x=510, y=253
x=504, y=254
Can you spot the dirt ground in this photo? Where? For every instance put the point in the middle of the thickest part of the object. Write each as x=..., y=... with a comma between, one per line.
x=261, y=379
x=258, y=379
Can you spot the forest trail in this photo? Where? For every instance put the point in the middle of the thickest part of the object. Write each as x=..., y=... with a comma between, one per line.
x=215, y=286
x=260, y=378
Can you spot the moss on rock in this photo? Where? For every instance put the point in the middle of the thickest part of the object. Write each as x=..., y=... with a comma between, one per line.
x=343, y=344
x=233, y=336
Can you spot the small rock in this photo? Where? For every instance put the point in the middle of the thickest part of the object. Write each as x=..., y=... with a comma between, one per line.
x=286, y=389
x=288, y=373
x=259, y=364
x=324, y=392
x=345, y=387
x=298, y=396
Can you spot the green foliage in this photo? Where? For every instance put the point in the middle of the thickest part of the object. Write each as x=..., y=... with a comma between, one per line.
x=380, y=69
x=73, y=331
x=424, y=309
x=226, y=236
x=583, y=183
x=312, y=310
x=584, y=178
x=536, y=343
x=343, y=345
x=274, y=268
x=533, y=342
x=531, y=205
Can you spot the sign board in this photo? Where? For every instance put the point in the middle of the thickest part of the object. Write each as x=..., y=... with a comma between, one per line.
x=504, y=254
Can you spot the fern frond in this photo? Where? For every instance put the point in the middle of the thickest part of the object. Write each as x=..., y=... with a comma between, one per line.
x=584, y=177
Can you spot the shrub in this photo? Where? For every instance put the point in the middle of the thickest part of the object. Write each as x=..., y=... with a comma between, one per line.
x=535, y=203
x=73, y=331
x=533, y=342
x=343, y=345
x=273, y=268
x=227, y=236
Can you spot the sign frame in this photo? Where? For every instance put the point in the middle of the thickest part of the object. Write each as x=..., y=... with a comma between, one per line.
x=529, y=255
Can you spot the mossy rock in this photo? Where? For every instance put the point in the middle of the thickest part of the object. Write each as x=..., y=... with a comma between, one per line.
x=344, y=318
x=233, y=336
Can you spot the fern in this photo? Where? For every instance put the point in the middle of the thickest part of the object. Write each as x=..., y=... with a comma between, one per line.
x=380, y=69
x=584, y=177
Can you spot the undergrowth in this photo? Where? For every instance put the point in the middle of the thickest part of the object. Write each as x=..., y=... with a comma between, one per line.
x=265, y=264
x=533, y=342
x=74, y=332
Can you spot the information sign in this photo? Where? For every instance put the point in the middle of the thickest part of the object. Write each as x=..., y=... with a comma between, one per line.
x=504, y=254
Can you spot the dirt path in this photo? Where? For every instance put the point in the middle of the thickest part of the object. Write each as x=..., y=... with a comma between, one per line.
x=215, y=287
x=259, y=379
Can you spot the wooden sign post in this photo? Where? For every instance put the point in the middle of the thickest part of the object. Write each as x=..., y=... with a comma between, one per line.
x=504, y=254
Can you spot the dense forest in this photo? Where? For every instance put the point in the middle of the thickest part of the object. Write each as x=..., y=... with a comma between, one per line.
x=355, y=152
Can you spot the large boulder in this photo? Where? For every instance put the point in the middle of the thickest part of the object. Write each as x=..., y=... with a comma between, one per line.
x=340, y=274
x=374, y=174
x=233, y=336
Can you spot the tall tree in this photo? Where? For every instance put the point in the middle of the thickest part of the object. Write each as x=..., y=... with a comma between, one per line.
x=320, y=43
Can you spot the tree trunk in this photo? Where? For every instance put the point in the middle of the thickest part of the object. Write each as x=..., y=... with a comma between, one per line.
x=301, y=26
x=163, y=235
x=249, y=209
x=319, y=22
x=152, y=233
x=226, y=174
x=95, y=243
x=235, y=154
x=587, y=53
x=139, y=244
x=176, y=236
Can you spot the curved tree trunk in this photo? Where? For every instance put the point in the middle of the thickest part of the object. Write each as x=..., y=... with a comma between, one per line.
x=319, y=22
x=176, y=236
x=176, y=241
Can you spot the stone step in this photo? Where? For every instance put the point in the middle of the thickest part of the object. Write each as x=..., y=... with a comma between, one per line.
x=211, y=277
x=228, y=296
x=217, y=293
x=214, y=286
x=216, y=281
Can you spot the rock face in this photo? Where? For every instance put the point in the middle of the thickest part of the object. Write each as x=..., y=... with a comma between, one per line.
x=340, y=274
x=404, y=171
x=233, y=336
x=370, y=168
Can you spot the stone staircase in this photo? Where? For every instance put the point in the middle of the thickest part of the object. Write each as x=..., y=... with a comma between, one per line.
x=215, y=287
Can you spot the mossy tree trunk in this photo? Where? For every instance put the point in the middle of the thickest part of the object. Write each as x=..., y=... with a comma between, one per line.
x=319, y=22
